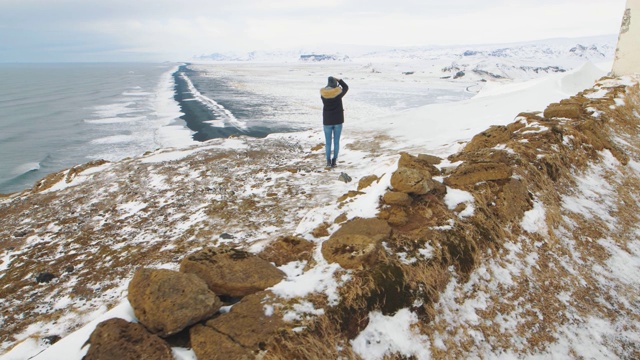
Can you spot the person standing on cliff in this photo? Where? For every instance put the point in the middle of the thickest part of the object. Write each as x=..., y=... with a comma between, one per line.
x=333, y=115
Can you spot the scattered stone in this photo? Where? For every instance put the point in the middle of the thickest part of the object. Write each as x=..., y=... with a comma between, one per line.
x=119, y=339
x=470, y=174
x=321, y=230
x=51, y=339
x=44, y=277
x=232, y=272
x=366, y=181
x=341, y=218
x=286, y=249
x=69, y=269
x=226, y=236
x=20, y=234
x=397, y=198
x=167, y=301
x=349, y=195
x=344, y=177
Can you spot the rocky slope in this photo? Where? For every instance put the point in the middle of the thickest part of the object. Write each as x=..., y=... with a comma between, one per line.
x=528, y=231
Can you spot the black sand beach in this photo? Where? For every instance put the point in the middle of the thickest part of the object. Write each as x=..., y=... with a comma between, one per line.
x=245, y=107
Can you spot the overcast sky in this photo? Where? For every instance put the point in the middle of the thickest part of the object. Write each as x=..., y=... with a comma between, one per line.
x=176, y=30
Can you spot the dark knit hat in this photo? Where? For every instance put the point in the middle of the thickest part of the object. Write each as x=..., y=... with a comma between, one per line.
x=333, y=83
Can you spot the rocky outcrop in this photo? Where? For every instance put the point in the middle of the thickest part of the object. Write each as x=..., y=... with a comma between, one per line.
x=168, y=301
x=232, y=272
x=119, y=339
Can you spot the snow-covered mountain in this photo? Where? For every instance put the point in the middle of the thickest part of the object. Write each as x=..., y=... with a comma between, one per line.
x=494, y=61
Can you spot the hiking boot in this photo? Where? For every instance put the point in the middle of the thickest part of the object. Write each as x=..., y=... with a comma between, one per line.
x=333, y=162
x=328, y=163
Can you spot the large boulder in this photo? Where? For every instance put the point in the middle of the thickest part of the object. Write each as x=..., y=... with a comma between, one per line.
x=168, y=301
x=119, y=339
x=210, y=344
x=357, y=244
x=232, y=272
x=249, y=323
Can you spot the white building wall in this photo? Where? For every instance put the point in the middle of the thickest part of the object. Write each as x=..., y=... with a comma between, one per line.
x=627, y=59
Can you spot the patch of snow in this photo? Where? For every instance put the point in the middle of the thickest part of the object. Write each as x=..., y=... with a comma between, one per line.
x=455, y=197
x=388, y=335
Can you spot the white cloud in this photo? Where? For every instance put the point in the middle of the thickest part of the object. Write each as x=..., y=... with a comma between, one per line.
x=168, y=28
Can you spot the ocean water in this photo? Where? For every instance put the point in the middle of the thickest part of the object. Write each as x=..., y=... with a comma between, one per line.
x=54, y=116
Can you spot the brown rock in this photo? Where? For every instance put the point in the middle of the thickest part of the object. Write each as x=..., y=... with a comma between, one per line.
x=411, y=181
x=487, y=139
x=351, y=194
x=366, y=181
x=351, y=251
x=397, y=216
x=429, y=159
x=341, y=218
x=486, y=156
x=376, y=229
x=209, y=344
x=420, y=163
x=247, y=323
x=119, y=339
x=321, y=230
x=357, y=243
x=469, y=174
x=564, y=110
x=232, y=272
x=439, y=189
x=513, y=201
x=168, y=301
x=286, y=249
x=397, y=198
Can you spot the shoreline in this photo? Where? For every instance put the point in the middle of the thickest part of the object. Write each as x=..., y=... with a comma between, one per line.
x=200, y=117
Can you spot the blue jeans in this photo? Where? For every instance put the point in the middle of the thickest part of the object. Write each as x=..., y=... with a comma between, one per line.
x=334, y=130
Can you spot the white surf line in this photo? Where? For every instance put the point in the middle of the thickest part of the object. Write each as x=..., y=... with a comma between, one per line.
x=212, y=104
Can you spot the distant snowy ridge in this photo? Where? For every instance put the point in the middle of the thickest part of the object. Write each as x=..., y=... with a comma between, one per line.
x=495, y=61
